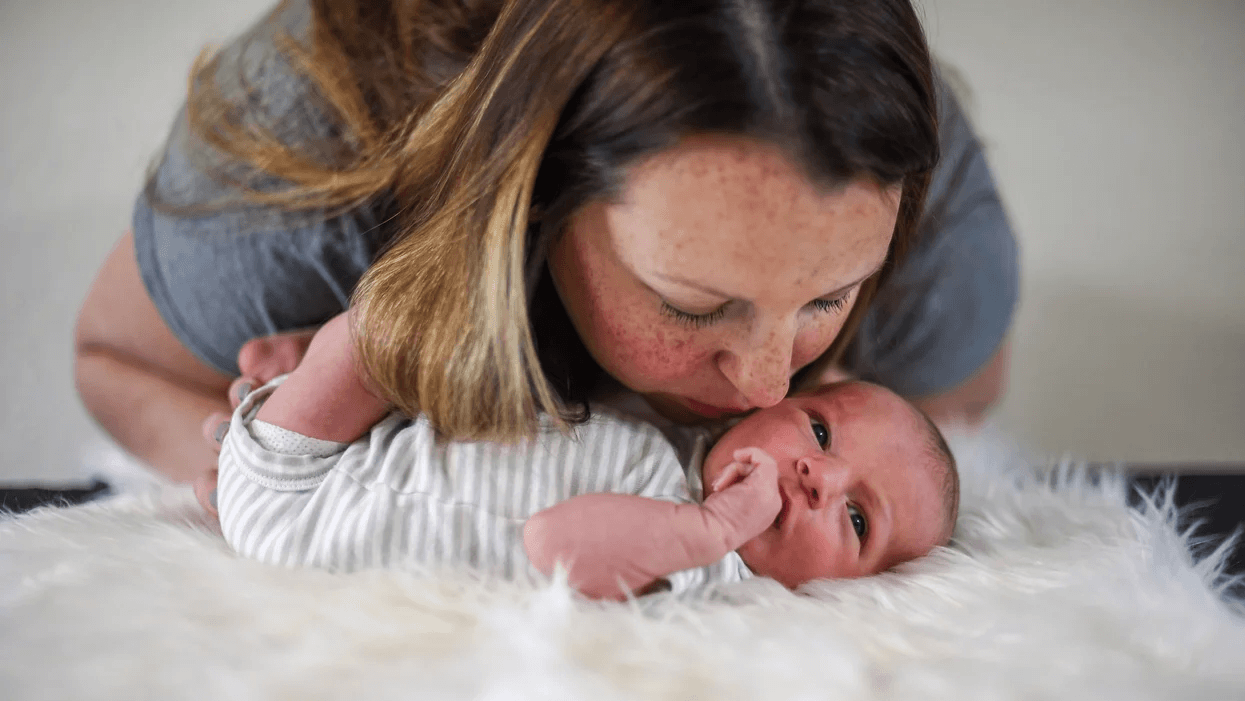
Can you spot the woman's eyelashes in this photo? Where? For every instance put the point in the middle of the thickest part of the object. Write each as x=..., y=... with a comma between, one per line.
x=696, y=321
x=830, y=305
x=700, y=321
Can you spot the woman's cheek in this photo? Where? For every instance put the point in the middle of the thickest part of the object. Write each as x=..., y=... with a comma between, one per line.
x=816, y=338
x=646, y=353
x=813, y=341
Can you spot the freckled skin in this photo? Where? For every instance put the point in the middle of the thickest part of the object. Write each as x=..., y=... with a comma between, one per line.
x=718, y=223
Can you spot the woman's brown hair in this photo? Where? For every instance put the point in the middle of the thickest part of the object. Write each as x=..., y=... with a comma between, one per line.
x=487, y=124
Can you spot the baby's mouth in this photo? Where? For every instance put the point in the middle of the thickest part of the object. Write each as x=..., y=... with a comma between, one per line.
x=782, y=511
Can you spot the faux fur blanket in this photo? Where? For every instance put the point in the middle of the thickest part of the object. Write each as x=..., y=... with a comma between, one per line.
x=1052, y=589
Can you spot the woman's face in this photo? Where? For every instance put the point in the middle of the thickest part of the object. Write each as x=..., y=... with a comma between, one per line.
x=719, y=274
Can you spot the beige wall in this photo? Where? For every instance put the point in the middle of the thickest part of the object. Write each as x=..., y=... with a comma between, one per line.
x=1113, y=128
x=1115, y=131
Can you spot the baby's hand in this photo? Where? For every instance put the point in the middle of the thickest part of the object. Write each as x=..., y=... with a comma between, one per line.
x=745, y=497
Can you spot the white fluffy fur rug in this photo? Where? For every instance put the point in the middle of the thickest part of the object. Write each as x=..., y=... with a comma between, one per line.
x=1054, y=589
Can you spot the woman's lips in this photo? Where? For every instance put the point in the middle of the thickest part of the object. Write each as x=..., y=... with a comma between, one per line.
x=712, y=412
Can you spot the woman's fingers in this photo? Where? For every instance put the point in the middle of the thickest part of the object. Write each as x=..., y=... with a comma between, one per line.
x=215, y=426
x=205, y=491
x=239, y=388
x=260, y=360
x=266, y=357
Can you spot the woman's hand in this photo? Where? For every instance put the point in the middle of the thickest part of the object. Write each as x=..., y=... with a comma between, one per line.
x=260, y=359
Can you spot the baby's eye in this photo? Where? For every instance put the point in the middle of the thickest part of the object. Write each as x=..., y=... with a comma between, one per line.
x=821, y=433
x=859, y=524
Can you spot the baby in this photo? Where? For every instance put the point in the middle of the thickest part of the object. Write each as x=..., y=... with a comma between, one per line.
x=844, y=481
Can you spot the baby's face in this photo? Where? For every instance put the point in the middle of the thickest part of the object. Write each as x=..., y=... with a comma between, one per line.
x=860, y=492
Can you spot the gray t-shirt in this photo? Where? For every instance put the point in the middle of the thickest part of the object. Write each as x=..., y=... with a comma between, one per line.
x=220, y=277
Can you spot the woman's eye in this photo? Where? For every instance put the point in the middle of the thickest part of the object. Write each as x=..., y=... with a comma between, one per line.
x=830, y=305
x=696, y=321
x=859, y=524
x=821, y=434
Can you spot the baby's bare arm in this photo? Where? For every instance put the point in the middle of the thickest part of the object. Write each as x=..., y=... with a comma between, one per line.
x=325, y=397
x=615, y=544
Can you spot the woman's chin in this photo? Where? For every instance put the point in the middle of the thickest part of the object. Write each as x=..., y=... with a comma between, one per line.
x=676, y=410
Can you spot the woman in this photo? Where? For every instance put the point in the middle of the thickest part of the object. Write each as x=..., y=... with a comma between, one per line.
x=537, y=202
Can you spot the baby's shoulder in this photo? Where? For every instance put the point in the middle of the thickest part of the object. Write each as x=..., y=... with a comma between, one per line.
x=617, y=427
x=606, y=416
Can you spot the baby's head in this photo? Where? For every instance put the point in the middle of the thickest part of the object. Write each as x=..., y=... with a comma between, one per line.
x=866, y=479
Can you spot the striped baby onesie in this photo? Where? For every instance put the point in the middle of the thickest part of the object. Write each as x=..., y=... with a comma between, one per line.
x=402, y=496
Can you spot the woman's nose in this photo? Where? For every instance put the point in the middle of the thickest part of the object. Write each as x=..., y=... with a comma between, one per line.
x=762, y=371
x=823, y=482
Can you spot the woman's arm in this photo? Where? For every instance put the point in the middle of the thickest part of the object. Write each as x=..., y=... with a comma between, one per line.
x=614, y=545
x=138, y=381
x=968, y=403
x=146, y=389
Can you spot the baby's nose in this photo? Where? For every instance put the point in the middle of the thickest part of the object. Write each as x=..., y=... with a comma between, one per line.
x=823, y=482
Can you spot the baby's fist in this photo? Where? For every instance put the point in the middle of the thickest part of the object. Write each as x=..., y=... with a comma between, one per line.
x=745, y=498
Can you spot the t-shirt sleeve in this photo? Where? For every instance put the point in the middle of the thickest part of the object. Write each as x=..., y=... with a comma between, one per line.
x=949, y=305
x=245, y=457
x=220, y=270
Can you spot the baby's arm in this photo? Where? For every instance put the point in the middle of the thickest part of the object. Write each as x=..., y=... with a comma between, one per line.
x=326, y=397
x=615, y=544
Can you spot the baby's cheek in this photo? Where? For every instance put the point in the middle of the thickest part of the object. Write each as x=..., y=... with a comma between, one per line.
x=815, y=338
x=763, y=555
x=806, y=555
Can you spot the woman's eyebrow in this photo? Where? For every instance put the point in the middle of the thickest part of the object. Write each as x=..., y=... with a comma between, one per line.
x=859, y=280
x=678, y=280
x=690, y=283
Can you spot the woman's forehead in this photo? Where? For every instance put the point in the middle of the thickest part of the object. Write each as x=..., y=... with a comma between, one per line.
x=737, y=215
x=720, y=160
